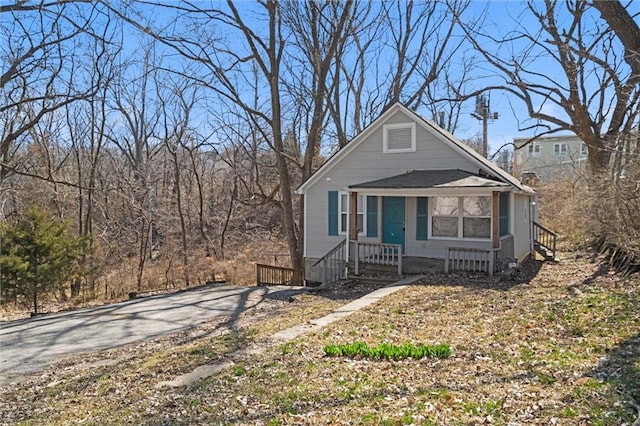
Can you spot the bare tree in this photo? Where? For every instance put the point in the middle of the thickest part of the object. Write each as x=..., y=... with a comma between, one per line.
x=628, y=31
x=177, y=102
x=625, y=28
x=133, y=125
x=568, y=63
x=226, y=68
x=41, y=53
x=318, y=29
x=290, y=71
x=400, y=52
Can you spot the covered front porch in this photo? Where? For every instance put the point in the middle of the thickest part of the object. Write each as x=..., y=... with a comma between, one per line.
x=427, y=212
x=429, y=220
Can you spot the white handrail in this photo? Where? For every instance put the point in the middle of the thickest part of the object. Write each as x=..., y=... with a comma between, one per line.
x=377, y=254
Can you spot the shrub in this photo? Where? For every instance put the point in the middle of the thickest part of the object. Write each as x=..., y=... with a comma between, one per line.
x=37, y=256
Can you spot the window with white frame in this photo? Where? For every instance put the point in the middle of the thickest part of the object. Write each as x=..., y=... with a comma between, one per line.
x=583, y=149
x=399, y=138
x=445, y=217
x=559, y=149
x=461, y=217
x=476, y=217
x=534, y=150
x=343, y=208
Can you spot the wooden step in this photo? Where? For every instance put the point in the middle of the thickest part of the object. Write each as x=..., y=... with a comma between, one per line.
x=381, y=279
x=545, y=253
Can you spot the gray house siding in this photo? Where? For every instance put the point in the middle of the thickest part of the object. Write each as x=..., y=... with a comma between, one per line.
x=541, y=157
x=433, y=247
x=367, y=162
x=364, y=161
x=521, y=228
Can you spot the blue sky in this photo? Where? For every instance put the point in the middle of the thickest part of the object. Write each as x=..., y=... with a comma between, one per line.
x=502, y=17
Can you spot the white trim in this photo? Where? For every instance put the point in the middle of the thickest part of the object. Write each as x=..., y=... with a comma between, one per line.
x=534, y=150
x=431, y=192
x=560, y=152
x=461, y=217
x=348, y=212
x=305, y=227
x=337, y=157
x=438, y=132
x=385, y=137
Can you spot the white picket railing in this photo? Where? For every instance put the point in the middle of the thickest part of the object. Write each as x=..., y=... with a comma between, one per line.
x=471, y=260
x=376, y=254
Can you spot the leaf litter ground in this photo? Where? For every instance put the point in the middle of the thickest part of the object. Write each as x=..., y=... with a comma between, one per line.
x=558, y=343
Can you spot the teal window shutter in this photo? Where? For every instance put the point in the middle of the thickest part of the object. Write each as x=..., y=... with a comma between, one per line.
x=422, y=218
x=372, y=216
x=333, y=212
x=504, y=213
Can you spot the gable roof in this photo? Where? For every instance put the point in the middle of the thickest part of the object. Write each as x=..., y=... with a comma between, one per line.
x=437, y=131
x=426, y=179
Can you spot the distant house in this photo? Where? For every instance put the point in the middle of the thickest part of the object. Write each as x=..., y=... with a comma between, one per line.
x=405, y=188
x=548, y=158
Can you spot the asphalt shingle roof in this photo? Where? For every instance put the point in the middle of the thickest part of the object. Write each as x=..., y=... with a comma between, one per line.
x=423, y=179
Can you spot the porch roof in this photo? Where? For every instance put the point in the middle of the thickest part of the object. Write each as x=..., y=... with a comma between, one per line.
x=432, y=179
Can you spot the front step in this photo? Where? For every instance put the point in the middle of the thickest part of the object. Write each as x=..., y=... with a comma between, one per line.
x=372, y=269
x=379, y=279
x=544, y=241
x=543, y=251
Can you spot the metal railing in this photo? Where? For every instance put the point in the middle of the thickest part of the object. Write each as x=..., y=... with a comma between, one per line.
x=278, y=275
x=377, y=254
x=544, y=241
x=333, y=264
x=471, y=260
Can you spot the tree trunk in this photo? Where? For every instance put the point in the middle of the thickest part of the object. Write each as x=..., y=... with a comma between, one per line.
x=35, y=300
x=183, y=227
x=627, y=30
x=288, y=210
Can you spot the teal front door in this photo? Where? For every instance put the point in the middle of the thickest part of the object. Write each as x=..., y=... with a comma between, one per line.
x=393, y=221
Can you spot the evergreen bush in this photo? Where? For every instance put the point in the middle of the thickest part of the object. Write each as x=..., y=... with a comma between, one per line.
x=38, y=255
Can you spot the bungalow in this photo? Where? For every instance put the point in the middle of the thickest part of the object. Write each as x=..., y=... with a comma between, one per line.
x=405, y=188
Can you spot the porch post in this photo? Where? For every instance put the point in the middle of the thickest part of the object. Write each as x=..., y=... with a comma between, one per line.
x=495, y=219
x=353, y=216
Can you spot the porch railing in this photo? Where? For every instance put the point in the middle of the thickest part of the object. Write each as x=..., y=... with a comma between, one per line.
x=377, y=254
x=278, y=275
x=544, y=241
x=333, y=264
x=471, y=260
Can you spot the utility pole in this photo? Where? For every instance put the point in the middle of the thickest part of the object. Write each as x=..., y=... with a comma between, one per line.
x=483, y=113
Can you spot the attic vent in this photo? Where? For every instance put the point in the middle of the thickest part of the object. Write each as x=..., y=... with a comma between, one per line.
x=399, y=137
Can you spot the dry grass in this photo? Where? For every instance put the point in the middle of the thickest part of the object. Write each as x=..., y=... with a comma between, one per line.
x=562, y=348
x=164, y=273
x=564, y=207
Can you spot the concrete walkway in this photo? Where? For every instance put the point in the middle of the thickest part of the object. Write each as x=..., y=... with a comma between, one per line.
x=289, y=334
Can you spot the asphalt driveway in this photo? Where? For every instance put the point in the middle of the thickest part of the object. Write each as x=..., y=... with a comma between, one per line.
x=29, y=345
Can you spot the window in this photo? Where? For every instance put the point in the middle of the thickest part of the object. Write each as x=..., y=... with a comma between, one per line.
x=559, y=149
x=343, y=208
x=399, y=138
x=476, y=217
x=445, y=217
x=461, y=217
x=338, y=206
x=583, y=149
x=534, y=150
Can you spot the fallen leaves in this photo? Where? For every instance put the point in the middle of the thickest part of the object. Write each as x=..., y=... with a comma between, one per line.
x=553, y=346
